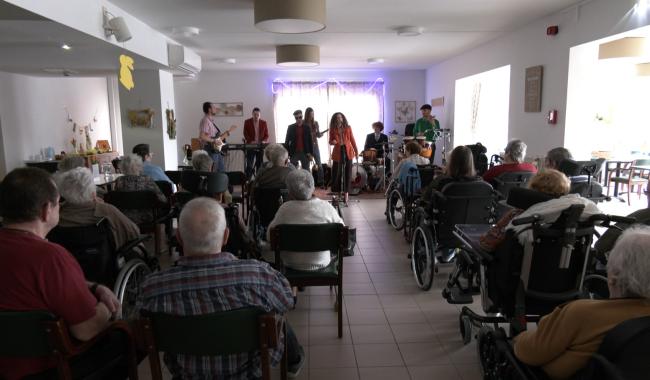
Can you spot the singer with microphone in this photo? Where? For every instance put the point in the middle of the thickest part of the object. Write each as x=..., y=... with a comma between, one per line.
x=345, y=148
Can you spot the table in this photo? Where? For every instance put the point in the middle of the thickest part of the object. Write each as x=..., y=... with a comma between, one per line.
x=106, y=181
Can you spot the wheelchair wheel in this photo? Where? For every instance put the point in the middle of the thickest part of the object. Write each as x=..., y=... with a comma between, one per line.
x=396, y=209
x=128, y=284
x=423, y=261
x=486, y=352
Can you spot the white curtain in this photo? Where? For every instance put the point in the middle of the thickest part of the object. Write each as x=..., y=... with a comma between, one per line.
x=362, y=103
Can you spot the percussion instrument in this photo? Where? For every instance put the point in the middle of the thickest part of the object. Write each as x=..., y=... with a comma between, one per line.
x=426, y=152
x=359, y=179
x=392, y=139
x=369, y=155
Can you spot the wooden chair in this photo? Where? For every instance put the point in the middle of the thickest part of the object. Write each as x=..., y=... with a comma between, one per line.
x=308, y=238
x=215, y=334
x=38, y=334
x=632, y=176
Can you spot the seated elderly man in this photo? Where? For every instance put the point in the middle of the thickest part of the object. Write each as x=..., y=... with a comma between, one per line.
x=38, y=275
x=208, y=280
x=303, y=208
x=513, y=161
x=555, y=156
x=276, y=174
x=201, y=161
x=565, y=339
x=149, y=169
x=82, y=207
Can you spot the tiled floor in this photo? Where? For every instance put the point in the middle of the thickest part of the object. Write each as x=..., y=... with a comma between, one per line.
x=392, y=329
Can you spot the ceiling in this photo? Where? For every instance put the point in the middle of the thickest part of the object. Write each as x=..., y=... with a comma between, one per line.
x=31, y=44
x=356, y=29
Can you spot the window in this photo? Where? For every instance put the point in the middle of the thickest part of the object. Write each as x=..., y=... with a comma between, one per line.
x=362, y=103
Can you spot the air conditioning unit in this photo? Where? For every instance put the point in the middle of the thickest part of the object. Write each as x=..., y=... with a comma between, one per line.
x=182, y=60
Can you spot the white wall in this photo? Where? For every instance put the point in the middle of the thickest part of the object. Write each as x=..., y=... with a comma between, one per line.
x=530, y=46
x=154, y=89
x=254, y=89
x=33, y=115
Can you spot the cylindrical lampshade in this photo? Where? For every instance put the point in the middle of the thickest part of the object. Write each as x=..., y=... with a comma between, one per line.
x=297, y=55
x=643, y=69
x=290, y=16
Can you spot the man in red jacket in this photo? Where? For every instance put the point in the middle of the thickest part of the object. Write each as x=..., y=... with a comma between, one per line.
x=255, y=132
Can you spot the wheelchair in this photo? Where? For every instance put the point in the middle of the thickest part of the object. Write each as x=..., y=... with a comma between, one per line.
x=456, y=203
x=120, y=268
x=582, y=175
x=265, y=204
x=505, y=182
x=402, y=195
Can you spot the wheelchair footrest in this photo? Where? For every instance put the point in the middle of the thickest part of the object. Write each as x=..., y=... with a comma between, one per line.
x=458, y=296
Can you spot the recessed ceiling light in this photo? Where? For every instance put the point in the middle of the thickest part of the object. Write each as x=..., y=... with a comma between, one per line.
x=230, y=61
x=65, y=47
x=186, y=31
x=375, y=61
x=409, y=31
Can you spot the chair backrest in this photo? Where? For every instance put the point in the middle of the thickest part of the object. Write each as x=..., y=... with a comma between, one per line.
x=214, y=334
x=480, y=159
x=204, y=183
x=174, y=175
x=24, y=334
x=133, y=200
x=427, y=172
x=523, y=198
x=409, y=178
x=267, y=201
x=624, y=349
x=166, y=188
x=505, y=182
x=462, y=203
x=236, y=178
x=93, y=247
x=310, y=237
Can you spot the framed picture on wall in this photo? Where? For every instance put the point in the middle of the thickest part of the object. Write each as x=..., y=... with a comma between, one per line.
x=230, y=109
x=405, y=111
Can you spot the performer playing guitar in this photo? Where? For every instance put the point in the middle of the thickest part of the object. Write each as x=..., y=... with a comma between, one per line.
x=211, y=136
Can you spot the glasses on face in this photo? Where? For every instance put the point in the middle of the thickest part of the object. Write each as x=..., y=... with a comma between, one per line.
x=298, y=117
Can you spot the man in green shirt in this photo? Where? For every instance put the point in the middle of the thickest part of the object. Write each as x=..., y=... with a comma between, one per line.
x=426, y=126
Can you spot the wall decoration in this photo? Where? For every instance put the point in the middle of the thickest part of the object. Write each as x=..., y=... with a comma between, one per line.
x=141, y=118
x=404, y=111
x=533, y=93
x=102, y=146
x=171, y=123
x=230, y=109
x=126, y=77
x=438, y=102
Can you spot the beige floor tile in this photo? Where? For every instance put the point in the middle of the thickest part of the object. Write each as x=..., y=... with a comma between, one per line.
x=397, y=301
x=413, y=333
x=356, y=278
x=358, y=289
x=334, y=373
x=469, y=372
x=354, y=268
x=423, y=354
x=438, y=372
x=367, y=316
x=302, y=333
x=323, y=302
x=331, y=356
x=298, y=317
x=378, y=355
x=405, y=315
x=362, y=302
x=325, y=318
x=389, y=268
x=460, y=353
x=328, y=335
x=384, y=373
x=362, y=334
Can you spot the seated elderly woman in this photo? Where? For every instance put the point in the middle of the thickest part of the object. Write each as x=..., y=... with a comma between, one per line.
x=412, y=150
x=201, y=161
x=565, y=339
x=459, y=169
x=134, y=180
x=82, y=207
x=276, y=174
x=303, y=208
x=513, y=161
x=555, y=156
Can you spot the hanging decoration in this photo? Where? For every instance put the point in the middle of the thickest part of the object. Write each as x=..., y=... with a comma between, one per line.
x=126, y=77
x=141, y=118
x=84, y=134
x=171, y=123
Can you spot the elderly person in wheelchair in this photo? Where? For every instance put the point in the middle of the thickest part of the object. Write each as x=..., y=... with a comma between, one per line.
x=565, y=339
x=82, y=207
x=513, y=161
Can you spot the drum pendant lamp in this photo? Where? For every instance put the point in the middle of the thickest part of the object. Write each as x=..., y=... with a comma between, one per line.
x=297, y=55
x=290, y=16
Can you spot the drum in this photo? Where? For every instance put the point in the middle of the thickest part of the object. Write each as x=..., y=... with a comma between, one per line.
x=426, y=152
x=359, y=179
x=369, y=155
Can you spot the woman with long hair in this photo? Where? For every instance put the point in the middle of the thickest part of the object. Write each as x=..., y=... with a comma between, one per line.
x=345, y=149
x=459, y=169
x=312, y=124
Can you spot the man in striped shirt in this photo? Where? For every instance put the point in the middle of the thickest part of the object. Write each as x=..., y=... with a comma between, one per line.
x=207, y=281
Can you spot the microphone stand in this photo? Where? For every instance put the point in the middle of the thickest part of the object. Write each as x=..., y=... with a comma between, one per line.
x=342, y=164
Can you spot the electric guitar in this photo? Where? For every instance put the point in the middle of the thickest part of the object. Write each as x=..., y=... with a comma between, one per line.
x=217, y=145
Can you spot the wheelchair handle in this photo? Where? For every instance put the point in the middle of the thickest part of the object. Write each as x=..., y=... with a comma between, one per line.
x=606, y=219
x=526, y=220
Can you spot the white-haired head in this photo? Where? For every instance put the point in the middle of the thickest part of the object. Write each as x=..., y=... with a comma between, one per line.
x=202, y=227
x=628, y=267
x=202, y=161
x=516, y=151
x=131, y=164
x=76, y=185
x=278, y=156
x=300, y=184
